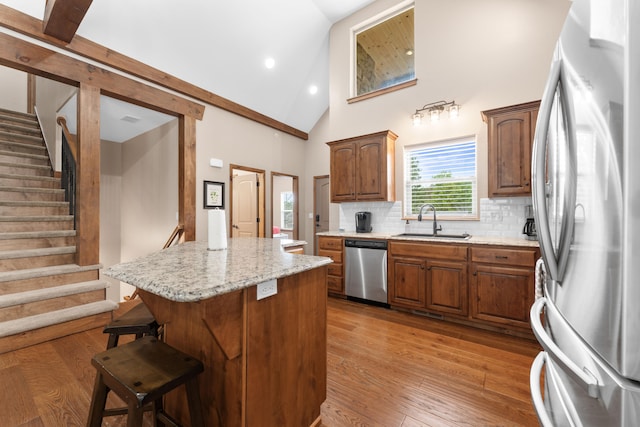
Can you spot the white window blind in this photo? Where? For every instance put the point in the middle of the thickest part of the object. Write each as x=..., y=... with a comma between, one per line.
x=442, y=174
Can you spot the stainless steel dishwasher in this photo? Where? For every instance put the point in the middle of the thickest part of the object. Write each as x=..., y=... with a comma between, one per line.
x=366, y=269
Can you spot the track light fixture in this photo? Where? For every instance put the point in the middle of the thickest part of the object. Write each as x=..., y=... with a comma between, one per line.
x=434, y=109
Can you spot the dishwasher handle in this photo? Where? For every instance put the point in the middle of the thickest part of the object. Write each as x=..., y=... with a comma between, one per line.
x=366, y=244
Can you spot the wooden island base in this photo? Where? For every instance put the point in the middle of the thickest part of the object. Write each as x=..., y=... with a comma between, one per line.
x=265, y=360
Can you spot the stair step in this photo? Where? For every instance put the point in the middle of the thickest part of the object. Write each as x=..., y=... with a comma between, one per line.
x=36, y=223
x=17, y=168
x=24, y=158
x=46, y=277
x=31, y=194
x=25, y=139
x=28, y=297
x=38, y=252
x=36, y=239
x=37, y=234
x=32, y=123
x=25, y=209
x=20, y=129
x=19, y=147
x=32, y=273
x=17, y=180
x=19, y=259
x=19, y=115
x=13, y=327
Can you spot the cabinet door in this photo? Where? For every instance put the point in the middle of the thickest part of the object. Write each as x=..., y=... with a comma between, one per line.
x=501, y=294
x=370, y=170
x=510, y=154
x=407, y=282
x=447, y=287
x=343, y=162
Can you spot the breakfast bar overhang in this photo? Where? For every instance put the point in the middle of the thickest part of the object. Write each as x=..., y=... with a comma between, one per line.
x=265, y=359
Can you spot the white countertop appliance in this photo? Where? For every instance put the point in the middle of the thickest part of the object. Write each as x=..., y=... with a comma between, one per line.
x=586, y=198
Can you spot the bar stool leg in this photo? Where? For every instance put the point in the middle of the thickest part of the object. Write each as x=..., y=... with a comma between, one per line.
x=134, y=417
x=113, y=341
x=98, y=402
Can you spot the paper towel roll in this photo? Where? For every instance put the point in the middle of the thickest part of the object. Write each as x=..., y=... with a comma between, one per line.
x=217, y=230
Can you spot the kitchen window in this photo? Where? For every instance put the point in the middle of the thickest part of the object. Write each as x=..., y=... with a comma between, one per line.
x=444, y=175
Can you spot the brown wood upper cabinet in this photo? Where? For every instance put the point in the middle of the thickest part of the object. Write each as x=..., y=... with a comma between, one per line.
x=510, y=141
x=362, y=168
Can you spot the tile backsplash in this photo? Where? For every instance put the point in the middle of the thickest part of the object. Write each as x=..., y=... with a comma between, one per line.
x=503, y=217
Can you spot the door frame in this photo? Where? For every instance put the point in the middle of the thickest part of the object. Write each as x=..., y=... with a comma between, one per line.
x=315, y=208
x=261, y=196
x=294, y=188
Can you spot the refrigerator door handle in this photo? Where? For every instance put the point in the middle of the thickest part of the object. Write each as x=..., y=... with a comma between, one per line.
x=581, y=376
x=536, y=392
x=539, y=170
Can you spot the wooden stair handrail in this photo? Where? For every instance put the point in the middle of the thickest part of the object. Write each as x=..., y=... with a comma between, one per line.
x=73, y=145
x=177, y=232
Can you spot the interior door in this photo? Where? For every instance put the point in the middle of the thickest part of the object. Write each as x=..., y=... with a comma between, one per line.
x=245, y=206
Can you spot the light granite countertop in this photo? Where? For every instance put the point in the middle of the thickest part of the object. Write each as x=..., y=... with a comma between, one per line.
x=473, y=240
x=190, y=272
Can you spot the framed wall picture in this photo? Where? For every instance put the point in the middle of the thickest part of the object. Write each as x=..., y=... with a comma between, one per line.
x=213, y=195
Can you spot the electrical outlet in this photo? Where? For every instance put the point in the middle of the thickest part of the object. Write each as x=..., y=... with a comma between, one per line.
x=266, y=289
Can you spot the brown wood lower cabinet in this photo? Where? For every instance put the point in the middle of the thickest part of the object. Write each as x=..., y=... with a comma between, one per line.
x=502, y=285
x=487, y=285
x=430, y=277
x=333, y=247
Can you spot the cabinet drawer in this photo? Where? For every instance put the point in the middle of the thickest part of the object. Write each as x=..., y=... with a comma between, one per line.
x=428, y=250
x=333, y=243
x=336, y=256
x=335, y=284
x=510, y=256
x=335, y=270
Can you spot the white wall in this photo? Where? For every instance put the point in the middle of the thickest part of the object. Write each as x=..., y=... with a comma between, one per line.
x=50, y=97
x=149, y=192
x=482, y=54
x=13, y=87
x=110, y=212
x=236, y=140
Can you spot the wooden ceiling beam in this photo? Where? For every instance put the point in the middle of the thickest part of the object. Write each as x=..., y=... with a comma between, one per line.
x=25, y=56
x=63, y=17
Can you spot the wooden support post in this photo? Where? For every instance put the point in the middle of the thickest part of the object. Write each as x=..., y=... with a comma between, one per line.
x=88, y=176
x=187, y=176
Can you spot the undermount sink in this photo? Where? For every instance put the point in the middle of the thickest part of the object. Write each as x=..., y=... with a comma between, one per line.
x=463, y=236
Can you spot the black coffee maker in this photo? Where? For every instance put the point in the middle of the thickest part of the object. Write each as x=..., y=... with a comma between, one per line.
x=363, y=222
x=529, y=229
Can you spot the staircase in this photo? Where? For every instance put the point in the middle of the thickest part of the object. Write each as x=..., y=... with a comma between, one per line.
x=43, y=293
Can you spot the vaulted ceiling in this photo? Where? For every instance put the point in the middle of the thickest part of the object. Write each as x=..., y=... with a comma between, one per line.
x=222, y=46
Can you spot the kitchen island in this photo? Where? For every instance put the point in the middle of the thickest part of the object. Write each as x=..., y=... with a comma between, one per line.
x=265, y=359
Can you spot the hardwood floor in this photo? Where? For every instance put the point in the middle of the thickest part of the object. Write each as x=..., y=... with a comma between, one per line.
x=385, y=368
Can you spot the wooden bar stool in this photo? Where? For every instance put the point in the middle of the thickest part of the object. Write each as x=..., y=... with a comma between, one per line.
x=142, y=372
x=138, y=321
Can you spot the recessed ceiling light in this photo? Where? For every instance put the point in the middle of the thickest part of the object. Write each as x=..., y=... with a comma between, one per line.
x=270, y=63
x=313, y=89
x=409, y=52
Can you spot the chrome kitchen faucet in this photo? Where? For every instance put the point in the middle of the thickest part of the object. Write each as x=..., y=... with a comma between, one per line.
x=435, y=222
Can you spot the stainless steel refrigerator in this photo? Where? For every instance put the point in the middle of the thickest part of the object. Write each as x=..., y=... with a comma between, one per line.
x=586, y=197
